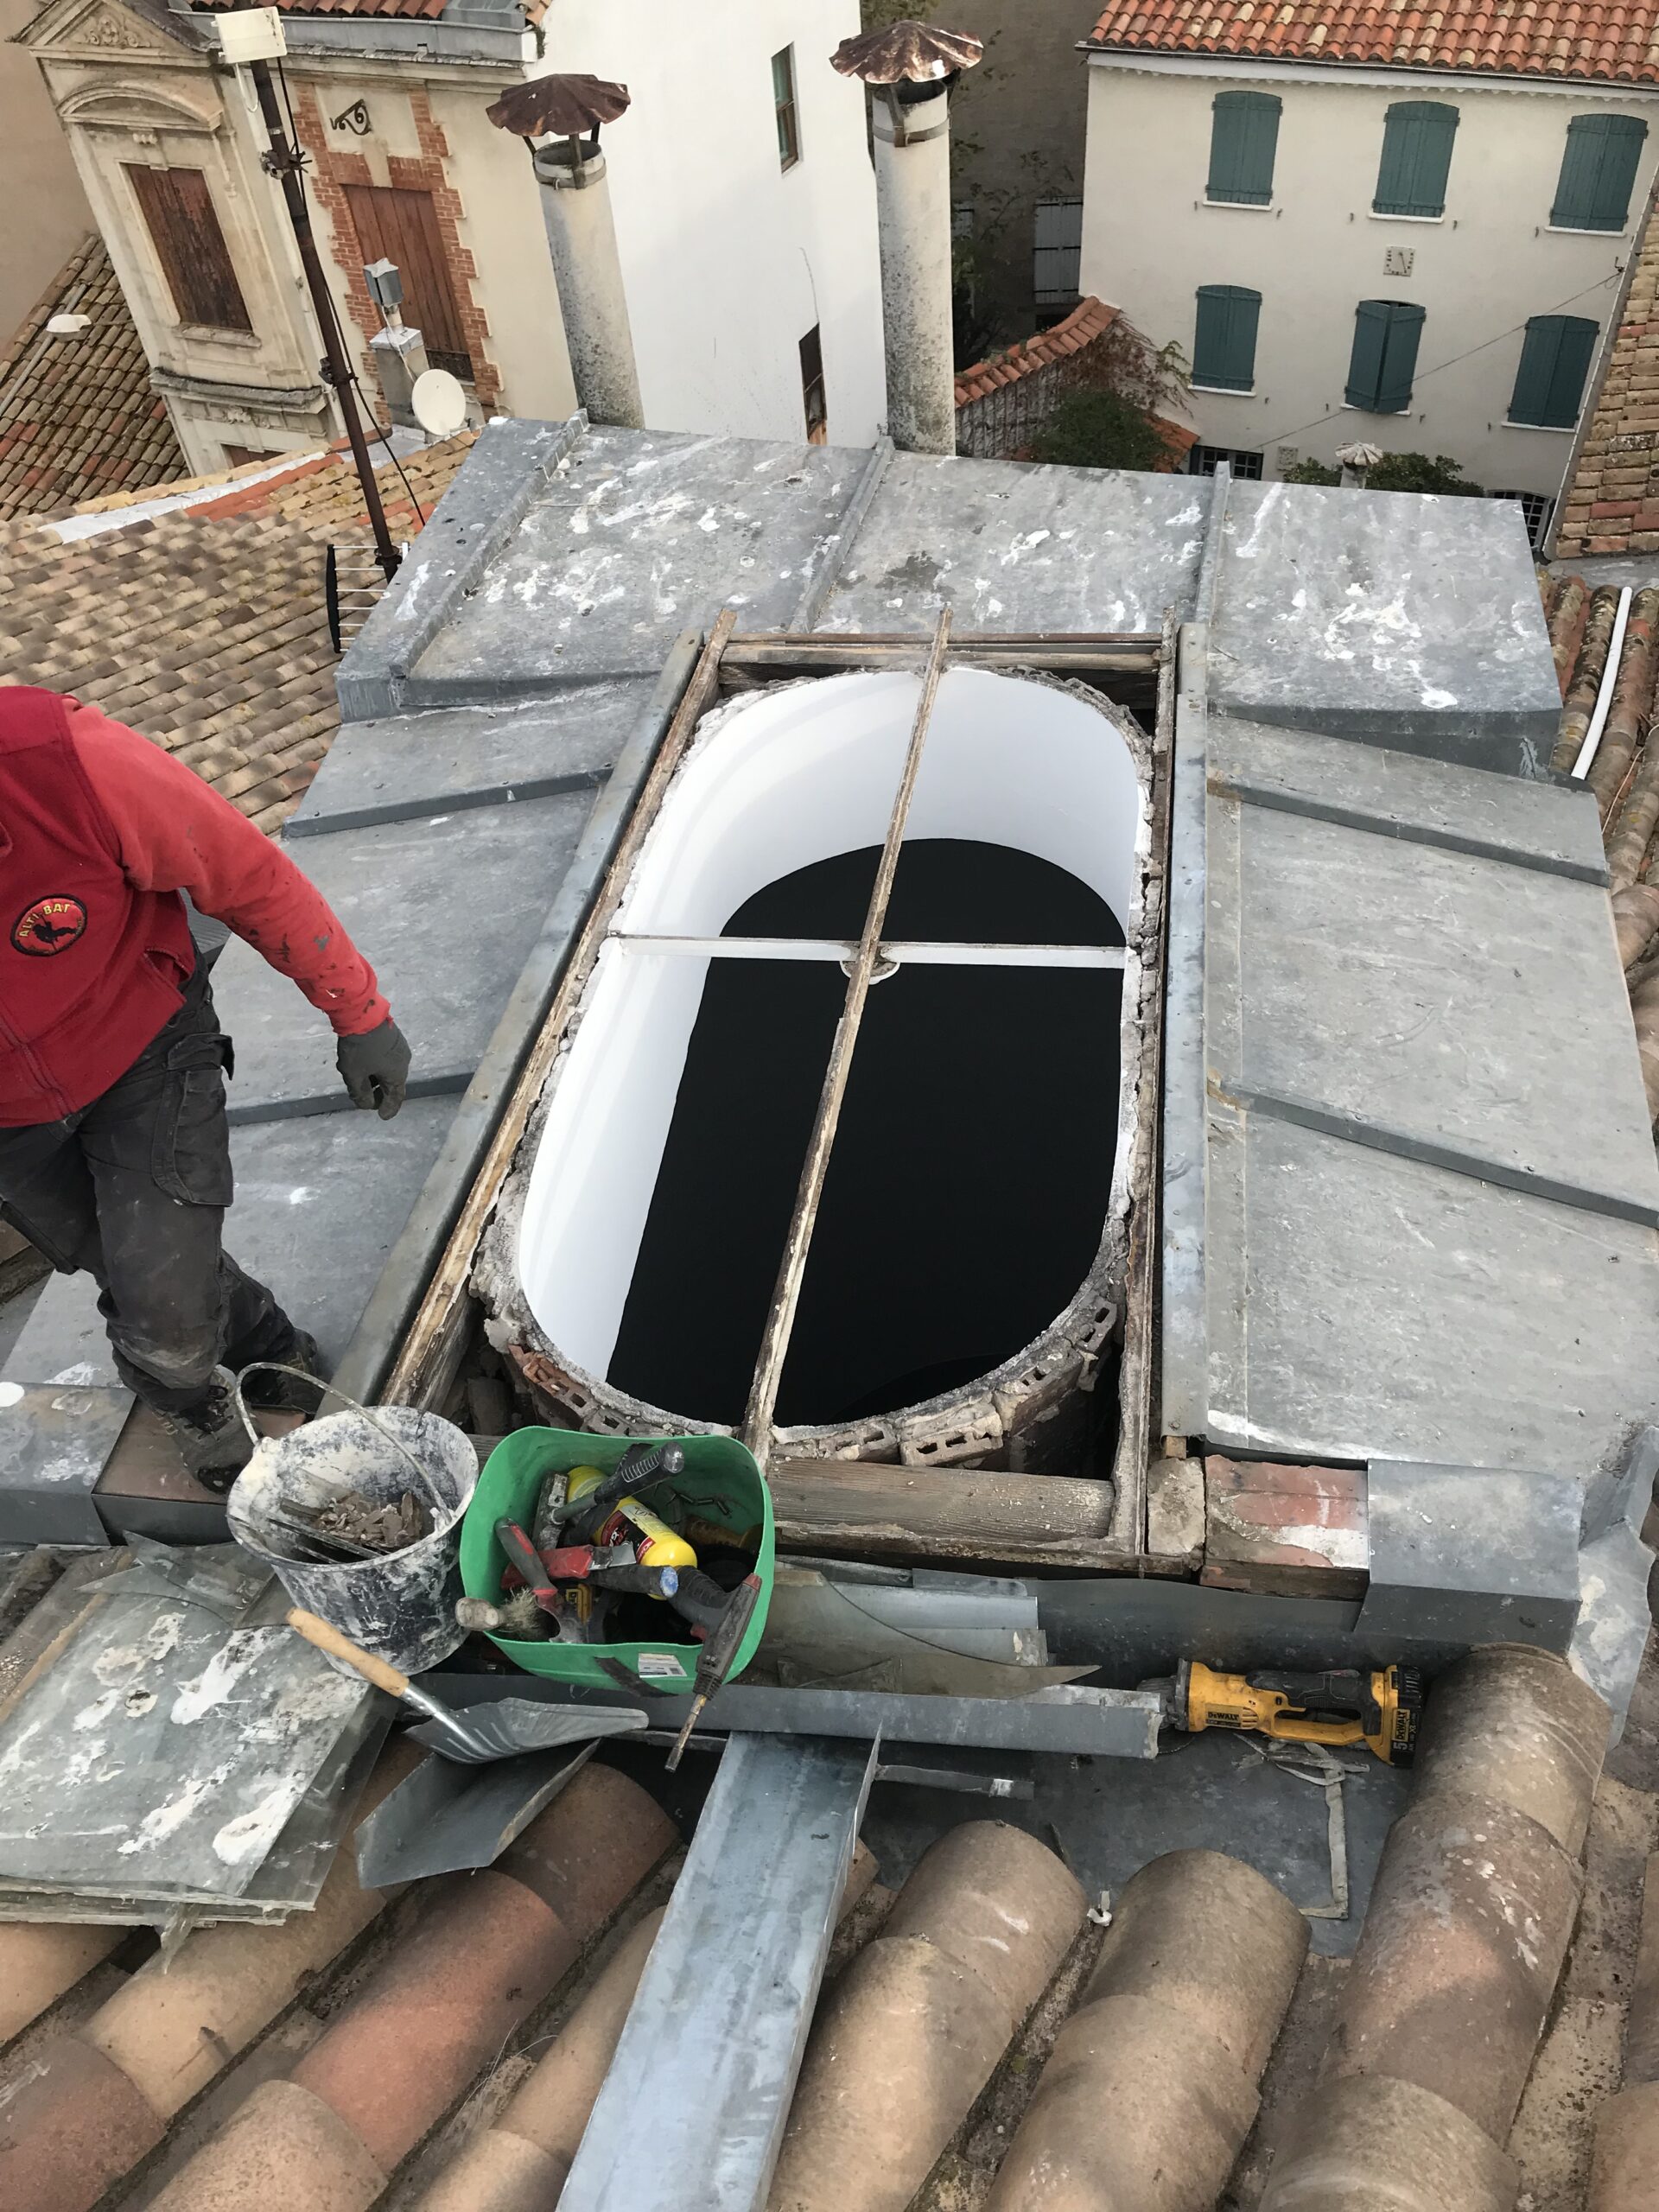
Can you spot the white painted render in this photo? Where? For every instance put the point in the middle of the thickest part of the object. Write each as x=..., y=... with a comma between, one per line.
x=1150, y=239
x=779, y=781
x=728, y=259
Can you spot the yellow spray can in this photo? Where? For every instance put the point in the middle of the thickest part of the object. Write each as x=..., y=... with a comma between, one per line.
x=632, y=1522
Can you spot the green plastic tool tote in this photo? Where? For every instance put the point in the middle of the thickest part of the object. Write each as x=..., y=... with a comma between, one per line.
x=720, y=1483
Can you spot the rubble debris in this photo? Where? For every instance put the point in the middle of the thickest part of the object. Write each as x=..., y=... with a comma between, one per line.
x=1153, y=2083
x=384, y=1525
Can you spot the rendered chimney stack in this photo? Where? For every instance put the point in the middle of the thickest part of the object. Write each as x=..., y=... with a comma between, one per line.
x=559, y=117
x=910, y=67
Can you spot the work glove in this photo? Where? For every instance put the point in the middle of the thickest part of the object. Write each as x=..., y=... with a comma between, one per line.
x=374, y=1068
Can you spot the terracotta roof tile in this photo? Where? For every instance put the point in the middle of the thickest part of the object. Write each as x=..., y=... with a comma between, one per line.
x=1086, y=321
x=225, y=657
x=77, y=414
x=429, y=9
x=1604, y=41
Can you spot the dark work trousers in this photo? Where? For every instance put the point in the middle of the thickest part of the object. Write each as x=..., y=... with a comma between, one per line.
x=133, y=1189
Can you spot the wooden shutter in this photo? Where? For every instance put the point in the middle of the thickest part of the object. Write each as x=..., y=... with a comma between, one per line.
x=1416, y=158
x=1385, y=356
x=1555, y=359
x=395, y=224
x=1599, y=168
x=1223, y=337
x=1244, y=138
x=178, y=212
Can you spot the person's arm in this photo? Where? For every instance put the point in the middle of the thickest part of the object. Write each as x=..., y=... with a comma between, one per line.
x=175, y=833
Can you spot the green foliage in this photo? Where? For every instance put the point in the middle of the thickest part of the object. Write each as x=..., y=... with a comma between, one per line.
x=1312, y=472
x=1415, y=472
x=1100, y=428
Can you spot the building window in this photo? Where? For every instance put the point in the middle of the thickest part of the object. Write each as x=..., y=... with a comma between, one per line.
x=1223, y=337
x=178, y=212
x=1203, y=461
x=782, y=101
x=1556, y=357
x=1416, y=158
x=817, y=412
x=1537, y=508
x=1598, y=173
x=1384, y=359
x=1057, y=252
x=402, y=226
x=1244, y=138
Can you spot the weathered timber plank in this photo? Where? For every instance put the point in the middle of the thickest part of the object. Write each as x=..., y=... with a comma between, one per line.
x=850, y=1506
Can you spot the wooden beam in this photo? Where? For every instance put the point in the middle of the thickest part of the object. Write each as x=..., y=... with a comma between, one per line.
x=443, y=1311
x=785, y=1297
x=847, y=1507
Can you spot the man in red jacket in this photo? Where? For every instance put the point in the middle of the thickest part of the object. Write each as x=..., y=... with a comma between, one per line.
x=114, y=1151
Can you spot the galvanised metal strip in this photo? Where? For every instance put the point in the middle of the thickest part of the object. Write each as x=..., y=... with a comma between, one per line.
x=693, y=2109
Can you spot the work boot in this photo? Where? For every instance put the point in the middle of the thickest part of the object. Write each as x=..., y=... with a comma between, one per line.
x=283, y=1393
x=213, y=1438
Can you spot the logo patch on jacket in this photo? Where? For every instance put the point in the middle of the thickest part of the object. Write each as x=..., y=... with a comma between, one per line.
x=49, y=925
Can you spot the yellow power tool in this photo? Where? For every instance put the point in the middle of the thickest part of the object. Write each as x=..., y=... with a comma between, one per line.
x=1344, y=1706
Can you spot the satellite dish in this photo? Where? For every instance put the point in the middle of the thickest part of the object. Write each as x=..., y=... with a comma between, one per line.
x=439, y=402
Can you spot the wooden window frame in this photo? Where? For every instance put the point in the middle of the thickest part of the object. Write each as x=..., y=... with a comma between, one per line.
x=1607, y=131
x=786, y=108
x=436, y=313
x=181, y=223
x=1229, y=302
x=1551, y=332
x=1266, y=109
x=814, y=401
x=1404, y=115
x=1402, y=315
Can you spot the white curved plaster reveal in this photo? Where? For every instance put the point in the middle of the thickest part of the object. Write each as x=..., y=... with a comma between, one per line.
x=791, y=777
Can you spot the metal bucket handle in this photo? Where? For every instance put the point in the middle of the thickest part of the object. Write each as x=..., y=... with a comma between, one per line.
x=436, y=1503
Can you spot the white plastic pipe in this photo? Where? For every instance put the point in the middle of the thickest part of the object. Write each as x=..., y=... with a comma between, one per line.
x=1604, y=696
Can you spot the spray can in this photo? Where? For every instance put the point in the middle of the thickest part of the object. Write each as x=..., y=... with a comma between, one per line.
x=632, y=1522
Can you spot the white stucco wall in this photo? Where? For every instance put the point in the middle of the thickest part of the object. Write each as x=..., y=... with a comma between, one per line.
x=1149, y=240
x=728, y=259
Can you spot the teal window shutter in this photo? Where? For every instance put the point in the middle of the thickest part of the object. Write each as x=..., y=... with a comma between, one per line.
x=1384, y=359
x=1416, y=158
x=1555, y=359
x=1598, y=172
x=1223, y=340
x=1244, y=138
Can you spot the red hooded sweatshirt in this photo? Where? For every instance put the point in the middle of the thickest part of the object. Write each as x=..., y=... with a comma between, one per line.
x=100, y=831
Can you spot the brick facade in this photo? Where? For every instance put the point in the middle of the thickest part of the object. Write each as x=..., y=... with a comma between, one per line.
x=332, y=169
x=1611, y=504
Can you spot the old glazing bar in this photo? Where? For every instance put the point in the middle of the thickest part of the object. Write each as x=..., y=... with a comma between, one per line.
x=431, y=1230
x=1134, y=652
x=692, y=2109
x=780, y=1317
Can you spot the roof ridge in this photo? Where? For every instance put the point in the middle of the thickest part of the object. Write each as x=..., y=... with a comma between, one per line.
x=1585, y=42
x=1086, y=322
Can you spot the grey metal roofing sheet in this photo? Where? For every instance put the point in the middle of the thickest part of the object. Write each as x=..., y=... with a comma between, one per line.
x=1411, y=622
x=1418, y=1224
x=1014, y=547
x=445, y=907
x=1550, y=826
x=403, y=764
x=634, y=535
x=1364, y=1306
x=1448, y=998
